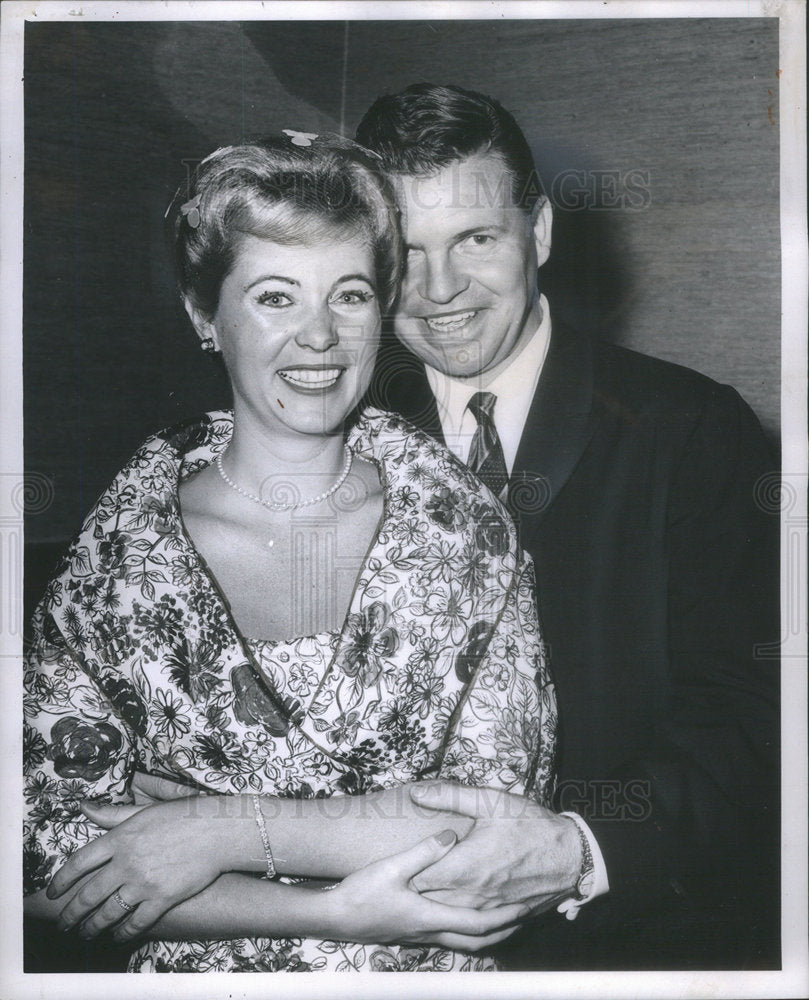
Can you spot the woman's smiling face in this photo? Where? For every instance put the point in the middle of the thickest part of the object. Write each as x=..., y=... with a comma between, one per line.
x=298, y=327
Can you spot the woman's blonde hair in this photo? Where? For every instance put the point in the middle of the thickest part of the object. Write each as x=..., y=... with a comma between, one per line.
x=291, y=189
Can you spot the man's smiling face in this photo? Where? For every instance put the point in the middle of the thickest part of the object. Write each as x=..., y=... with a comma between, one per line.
x=469, y=293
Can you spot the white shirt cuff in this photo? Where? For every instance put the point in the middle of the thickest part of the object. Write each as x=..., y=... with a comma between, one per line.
x=601, y=882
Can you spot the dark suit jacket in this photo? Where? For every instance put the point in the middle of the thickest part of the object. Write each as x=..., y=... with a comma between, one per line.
x=657, y=577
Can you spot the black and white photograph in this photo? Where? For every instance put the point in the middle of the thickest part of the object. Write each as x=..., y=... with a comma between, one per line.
x=404, y=498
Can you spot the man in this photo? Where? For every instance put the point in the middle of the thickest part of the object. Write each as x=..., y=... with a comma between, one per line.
x=633, y=484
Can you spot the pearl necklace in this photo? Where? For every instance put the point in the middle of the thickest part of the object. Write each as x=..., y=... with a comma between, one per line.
x=289, y=506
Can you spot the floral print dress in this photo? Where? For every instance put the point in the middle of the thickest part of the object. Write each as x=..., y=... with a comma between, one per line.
x=438, y=670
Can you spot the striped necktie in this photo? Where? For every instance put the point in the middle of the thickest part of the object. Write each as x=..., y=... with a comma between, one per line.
x=485, y=452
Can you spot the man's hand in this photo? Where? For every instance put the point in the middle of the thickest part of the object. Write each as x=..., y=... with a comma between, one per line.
x=517, y=850
x=379, y=903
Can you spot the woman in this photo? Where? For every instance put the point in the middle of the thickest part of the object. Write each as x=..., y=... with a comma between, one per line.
x=285, y=601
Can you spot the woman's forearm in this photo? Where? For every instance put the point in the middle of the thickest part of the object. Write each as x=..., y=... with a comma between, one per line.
x=244, y=906
x=375, y=904
x=326, y=838
x=234, y=905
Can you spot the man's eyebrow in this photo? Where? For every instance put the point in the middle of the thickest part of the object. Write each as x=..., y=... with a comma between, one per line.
x=490, y=227
x=270, y=277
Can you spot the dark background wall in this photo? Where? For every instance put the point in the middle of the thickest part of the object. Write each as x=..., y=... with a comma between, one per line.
x=680, y=112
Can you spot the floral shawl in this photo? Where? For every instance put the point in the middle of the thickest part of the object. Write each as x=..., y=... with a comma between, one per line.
x=137, y=664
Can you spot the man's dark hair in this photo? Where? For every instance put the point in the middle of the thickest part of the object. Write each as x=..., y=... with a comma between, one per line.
x=426, y=127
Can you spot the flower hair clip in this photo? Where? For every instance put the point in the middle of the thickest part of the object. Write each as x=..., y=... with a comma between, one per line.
x=300, y=138
x=190, y=212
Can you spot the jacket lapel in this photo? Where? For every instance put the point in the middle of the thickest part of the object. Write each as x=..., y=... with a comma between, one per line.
x=559, y=425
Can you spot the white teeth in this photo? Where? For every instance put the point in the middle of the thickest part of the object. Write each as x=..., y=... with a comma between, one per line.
x=322, y=378
x=446, y=324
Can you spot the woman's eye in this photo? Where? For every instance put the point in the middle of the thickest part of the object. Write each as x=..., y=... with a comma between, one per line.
x=353, y=297
x=277, y=300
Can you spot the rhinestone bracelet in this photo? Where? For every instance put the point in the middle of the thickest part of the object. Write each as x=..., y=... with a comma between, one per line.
x=265, y=840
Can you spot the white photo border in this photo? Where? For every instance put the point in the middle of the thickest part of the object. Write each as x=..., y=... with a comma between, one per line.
x=793, y=979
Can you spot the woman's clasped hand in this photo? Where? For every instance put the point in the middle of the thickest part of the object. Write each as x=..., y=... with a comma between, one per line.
x=161, y=856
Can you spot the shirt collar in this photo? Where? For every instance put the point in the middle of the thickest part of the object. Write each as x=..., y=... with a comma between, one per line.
x=514, y=382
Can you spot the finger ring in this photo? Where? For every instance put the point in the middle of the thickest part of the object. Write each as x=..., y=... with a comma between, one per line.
x=122, y=902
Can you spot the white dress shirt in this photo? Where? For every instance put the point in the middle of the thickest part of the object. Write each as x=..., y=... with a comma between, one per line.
x=514, y=382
